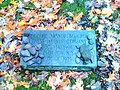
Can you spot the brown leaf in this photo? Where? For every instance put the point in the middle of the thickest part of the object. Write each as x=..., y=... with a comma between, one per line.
x=2, y=34
x=59, y=2
x=30, y=76
x=1, y=73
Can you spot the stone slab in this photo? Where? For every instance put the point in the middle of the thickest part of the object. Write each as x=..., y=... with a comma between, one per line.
x=58, y=50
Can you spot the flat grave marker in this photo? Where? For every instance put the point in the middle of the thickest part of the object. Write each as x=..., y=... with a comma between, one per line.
x=58, y=50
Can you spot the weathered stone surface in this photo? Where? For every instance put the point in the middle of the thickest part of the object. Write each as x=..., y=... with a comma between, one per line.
x=25, y=53
x=25, y=40
x=27, y=46
x=58, y=50
x=32, y=50
x=38, y=47
x=27, y=58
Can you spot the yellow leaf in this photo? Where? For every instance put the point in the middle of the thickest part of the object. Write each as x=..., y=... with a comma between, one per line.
x=21, y=23
x=14, y=2
x=0, y=44
x=1, y=1
x=78, y=16
x=88, y=28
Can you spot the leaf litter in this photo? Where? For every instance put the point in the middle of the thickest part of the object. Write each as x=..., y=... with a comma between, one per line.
x=100, y=15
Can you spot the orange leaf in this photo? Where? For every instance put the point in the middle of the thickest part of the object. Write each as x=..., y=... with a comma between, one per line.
x=59, y=1
x=33, y=22
x=46, y=3
x=18, y=33
x=51, y=16
x=50, y=27
x=114, y=7
x=11, y=27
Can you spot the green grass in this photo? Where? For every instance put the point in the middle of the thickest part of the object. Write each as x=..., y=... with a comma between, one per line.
x=90, y=78
x=74, y=8
x=41, y=86
x=115, y=14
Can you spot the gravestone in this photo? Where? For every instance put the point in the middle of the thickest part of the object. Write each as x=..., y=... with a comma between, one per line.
x=58, y=50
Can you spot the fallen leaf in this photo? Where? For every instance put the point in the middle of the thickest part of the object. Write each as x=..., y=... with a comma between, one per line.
x=22, y=83
x=11, y=27
x=78, y=16
x=37, y=4
x=34, y=1
x=1, y=73
x=18, y=47
x=12, y=46
x=65, y=82
x=2, y=35
x=50, y=27
x=39, y=28
x=59, y=2
x=116, y=65
x=60, y=22
x=88, y=28
x=98, y=11
x=51, y=16
x=106, y=12
x=111, y=77
x=21, y=23
x=70, y=14
x=70, y=26
x=33, y=22
x=18, y=33
x=114, y=7
x=31, y=76
x=14, y=2
x=1, y=1
x=46, y=3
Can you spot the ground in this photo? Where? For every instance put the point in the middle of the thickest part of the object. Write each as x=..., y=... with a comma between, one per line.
x=103, y=16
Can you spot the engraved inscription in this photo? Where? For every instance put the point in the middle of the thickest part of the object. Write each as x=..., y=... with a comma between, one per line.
x=59, y=47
